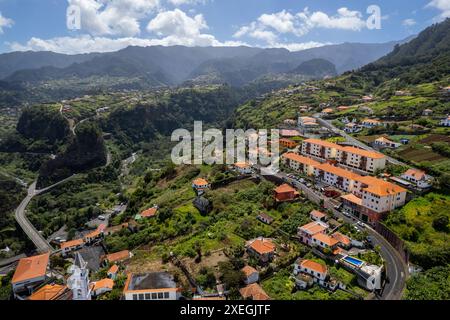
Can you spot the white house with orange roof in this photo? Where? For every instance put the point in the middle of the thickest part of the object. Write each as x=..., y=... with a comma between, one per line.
x=383, y=142
x=243, y=168
x=324, y=241
x=70, y=246
x=317, y=270
x=371, y=123
x=316, y=215
x=30, y=272
x=261, y=248
x=113, y=272
x=101, y=287
x=200, y=185
x=306, y=232
x=251, y=275
x=418, y=178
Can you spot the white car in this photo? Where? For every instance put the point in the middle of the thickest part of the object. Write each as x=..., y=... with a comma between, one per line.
x=102, y=218
x=361, y=224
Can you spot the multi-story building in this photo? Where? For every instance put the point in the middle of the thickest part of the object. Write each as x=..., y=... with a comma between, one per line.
x=299, y=163
x=350, y=157
x=151, y=286
x=30, y=273
x=308, y=231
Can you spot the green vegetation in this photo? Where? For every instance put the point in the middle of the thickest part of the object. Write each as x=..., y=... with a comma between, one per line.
x=433, y=284
x=424, y=224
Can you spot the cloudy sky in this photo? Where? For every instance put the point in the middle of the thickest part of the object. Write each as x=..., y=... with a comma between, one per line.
x=108, y=25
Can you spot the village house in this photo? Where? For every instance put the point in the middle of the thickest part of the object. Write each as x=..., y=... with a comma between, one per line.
x=343, y=108
x=117, y=257
x=101, y=287
x=200, y=185
x=308, y=124
x=70, y=246
x=243, y=168
x=151, y=286
x=351, y=157
x=113, y=272
x=254, y=292
x=317, y=271
x=371, y=123
x=368, y=276
x=327, y=112
x=251, y=275
x=324, y=241
x=150, y=213
x=306, y=232
x=285, y=133
x=427, y=112
x=352, y=128
x=285, y=193
x=316, y=215
x=445, y=122
x=367, y=99
x=402, y=93
x=419, y=178
x=30, y=273
x=261, y=248
x=95, y=235
x=49, y=292
x=287, y=143
x=383, y=142
x=264, y=218
x=344, y=241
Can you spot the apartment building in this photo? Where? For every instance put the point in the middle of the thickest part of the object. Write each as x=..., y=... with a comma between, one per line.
x=349, y=157
x=299, y=163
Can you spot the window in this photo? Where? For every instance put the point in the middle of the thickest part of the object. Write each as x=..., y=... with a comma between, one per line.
x=141, y=296
x=166, y=295
x=135, y=297
x=160, y=295
x=147, y=296
x=154, y=296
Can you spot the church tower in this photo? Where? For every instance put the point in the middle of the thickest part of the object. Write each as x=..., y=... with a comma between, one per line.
x=79, y=280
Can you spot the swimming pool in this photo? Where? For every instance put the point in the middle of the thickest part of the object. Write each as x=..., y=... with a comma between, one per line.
x=356, y=262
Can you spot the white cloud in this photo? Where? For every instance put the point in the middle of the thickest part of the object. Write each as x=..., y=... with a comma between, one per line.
x=87, y=43
x=269, y=26
x=408, y=22
x=5, y=23
x=186, y=2
x=117, y=18
x=443, y=6
x=300, y=46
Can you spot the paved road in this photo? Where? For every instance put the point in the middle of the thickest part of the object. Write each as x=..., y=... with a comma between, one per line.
x=39, y=241
x=352, y=140
x=396, y=268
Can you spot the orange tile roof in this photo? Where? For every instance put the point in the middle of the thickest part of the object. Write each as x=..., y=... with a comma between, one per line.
x=94, y=234
x=338, y=171
x=380, y=187
x=263, y=246
x=118, y=256
x=353, y=199
x=289, y=133
x=113, y=269
x=417, y=174
x=300, y=159
x=318, y=214
x=313, y=228
x=314, y=266
x=284, y=188
x=342, y=238
x=73, y=243
x=321, y=143
x=31, y=267
x=104, y=283
x=371, y=121
x=200, y=182
x=343, y=108
x=255, y=292
x=325, y=239
x=248, y=271
x=149, y=213
x=363, y=153
x=328, y=110
x=48, y=292
x=242, y=165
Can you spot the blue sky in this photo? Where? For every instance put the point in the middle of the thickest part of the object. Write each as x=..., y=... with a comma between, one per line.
x=108, y=25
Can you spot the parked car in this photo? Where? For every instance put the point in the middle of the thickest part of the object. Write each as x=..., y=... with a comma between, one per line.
x=361, y=224
x=102, y=218
x=348, y=215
